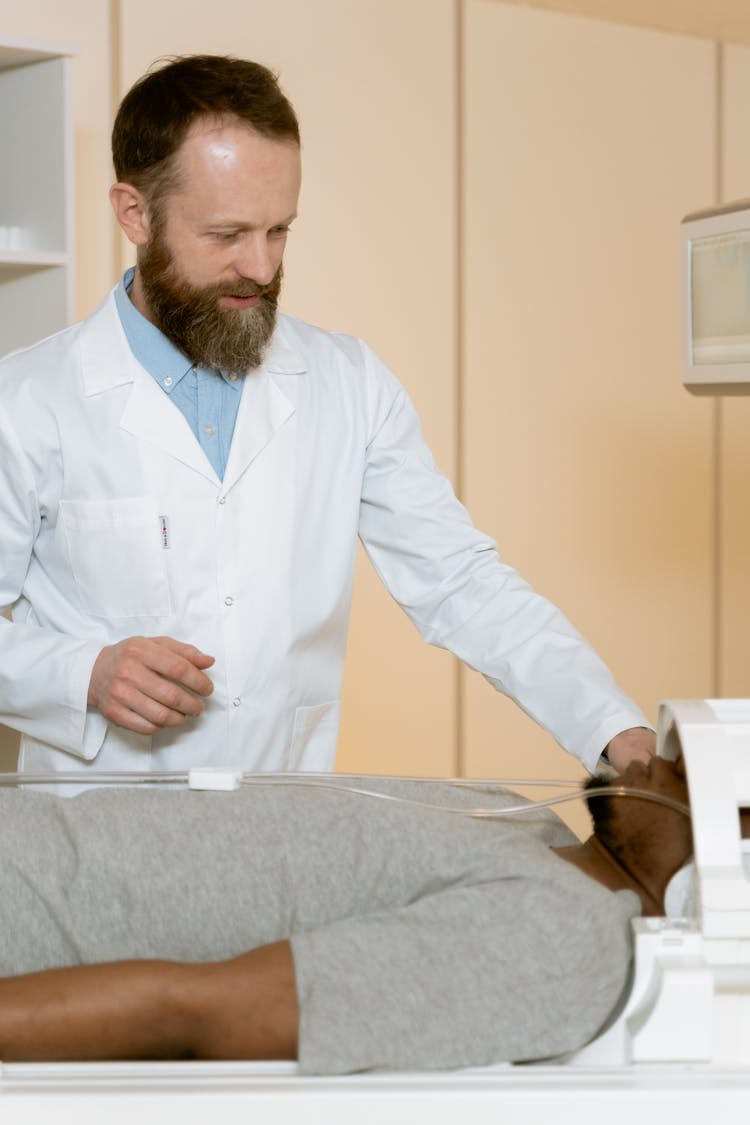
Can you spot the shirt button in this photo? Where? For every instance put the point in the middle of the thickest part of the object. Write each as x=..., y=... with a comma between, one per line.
x=236, y=701
x=233, y=376
x=210, y=430
x=168, y=381
x=229, y=600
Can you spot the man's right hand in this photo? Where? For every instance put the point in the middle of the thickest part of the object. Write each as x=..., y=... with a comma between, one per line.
x=146, y=683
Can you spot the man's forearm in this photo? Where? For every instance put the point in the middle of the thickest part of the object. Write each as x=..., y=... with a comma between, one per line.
x=240, y=1009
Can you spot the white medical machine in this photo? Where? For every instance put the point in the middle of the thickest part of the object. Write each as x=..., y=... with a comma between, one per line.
x=690, y=997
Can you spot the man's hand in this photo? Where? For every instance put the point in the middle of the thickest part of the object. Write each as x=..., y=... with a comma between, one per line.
x=146, y=683
x=637, y=744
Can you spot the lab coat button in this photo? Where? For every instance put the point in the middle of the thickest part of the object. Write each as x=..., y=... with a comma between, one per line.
x=229, y=600
x=236, y=701
x=222, y=499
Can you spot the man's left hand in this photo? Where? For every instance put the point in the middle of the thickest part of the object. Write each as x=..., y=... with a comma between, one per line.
x=637, y=744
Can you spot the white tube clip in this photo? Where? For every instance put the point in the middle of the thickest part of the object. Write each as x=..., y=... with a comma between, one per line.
x=221, y=778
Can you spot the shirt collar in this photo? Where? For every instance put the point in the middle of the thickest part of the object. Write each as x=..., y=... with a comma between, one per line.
x=166, y=363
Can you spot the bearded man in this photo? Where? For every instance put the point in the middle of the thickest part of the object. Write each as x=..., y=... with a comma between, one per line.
x=184, y=475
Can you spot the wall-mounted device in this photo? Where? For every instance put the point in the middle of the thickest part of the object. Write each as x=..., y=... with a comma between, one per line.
x=716, y=299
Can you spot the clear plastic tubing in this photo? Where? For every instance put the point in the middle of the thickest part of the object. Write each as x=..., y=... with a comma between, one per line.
x=338, y=783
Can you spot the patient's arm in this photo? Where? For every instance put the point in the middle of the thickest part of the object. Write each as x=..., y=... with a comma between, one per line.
x=245, y=1008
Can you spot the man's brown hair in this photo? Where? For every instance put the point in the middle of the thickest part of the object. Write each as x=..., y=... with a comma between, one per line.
x=157, y=112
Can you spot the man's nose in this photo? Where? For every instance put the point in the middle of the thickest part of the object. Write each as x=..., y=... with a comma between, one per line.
x=253, y=261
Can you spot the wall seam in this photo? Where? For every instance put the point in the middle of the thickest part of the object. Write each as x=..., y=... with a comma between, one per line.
x=459, y=252
x=717, y=435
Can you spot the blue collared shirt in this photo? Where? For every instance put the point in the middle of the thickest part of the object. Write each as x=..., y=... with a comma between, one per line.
x=209, y=399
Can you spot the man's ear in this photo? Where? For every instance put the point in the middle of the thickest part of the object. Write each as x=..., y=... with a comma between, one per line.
x=131, y=212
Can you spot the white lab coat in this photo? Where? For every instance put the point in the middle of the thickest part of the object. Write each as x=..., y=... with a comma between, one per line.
x=98, y=468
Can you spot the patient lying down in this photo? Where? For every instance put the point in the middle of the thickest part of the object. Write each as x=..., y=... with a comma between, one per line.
x=349, y=932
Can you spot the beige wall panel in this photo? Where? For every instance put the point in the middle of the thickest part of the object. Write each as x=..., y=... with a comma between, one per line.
x=83, y=24
x=734, y=473
x=373, y=253
x=585, y=145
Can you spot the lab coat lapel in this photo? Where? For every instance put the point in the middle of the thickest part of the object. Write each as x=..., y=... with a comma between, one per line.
x=264, y=408
x=151, y=416
x=148, y=415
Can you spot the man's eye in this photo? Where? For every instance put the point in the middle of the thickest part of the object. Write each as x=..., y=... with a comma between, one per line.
x=224, y=235
x=279, y=232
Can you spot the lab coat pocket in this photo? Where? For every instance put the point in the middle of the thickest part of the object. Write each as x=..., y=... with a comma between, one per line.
x=116, y=556
x=316, y=731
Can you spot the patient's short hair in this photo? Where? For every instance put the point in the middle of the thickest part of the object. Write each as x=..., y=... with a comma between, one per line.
x=602, y=811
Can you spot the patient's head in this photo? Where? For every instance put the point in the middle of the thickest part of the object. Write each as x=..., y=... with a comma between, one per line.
x=644, y=837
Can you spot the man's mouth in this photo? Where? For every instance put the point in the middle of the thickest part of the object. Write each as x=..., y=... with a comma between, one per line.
x=235, y=301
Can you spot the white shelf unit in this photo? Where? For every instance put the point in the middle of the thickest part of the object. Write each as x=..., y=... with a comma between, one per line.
x=36, y=191
x=36, y=205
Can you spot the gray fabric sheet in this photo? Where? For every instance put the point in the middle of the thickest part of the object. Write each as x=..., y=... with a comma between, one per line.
x=421, y=939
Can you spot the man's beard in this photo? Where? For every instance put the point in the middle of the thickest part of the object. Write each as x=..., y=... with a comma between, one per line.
x=195, y=322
